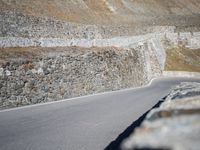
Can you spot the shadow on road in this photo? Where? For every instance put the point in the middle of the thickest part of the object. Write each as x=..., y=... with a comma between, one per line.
x=115, y=145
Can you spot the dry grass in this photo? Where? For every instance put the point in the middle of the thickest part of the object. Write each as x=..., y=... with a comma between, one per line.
x=40, y=52
x=99, y=11
x=19, y=52
x=178, y=59
x=183, y=59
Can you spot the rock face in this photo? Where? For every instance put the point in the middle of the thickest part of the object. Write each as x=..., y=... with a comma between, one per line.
x=36, y=75
x=175, y=125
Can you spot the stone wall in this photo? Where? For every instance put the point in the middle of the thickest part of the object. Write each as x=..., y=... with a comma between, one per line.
x=155, y=43
x=14, y=24
x=15, y=75
x=37, y=75
x=131, y=56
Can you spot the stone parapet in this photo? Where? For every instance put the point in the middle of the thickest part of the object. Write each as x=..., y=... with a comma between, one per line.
x=175, y=125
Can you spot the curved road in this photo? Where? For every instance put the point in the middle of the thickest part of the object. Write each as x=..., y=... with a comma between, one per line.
x=87, y=123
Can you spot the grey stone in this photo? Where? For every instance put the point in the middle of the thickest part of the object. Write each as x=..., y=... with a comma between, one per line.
x=40, y=71
x=175, y=125
x=69, y=73
x=8, y=73
x=184, y=90
x=180, y=133
x=1, y=71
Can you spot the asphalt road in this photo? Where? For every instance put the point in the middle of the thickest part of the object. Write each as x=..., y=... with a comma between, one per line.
x=87, y=123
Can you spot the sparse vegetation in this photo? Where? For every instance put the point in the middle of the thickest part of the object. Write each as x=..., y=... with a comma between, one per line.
x=183, y=59
x=18, y=52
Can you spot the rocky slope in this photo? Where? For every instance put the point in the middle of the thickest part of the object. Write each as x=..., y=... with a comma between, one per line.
x=81, y=18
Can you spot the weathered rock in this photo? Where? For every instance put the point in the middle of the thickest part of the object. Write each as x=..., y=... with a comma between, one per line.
x=175, y=125
x=176, y=133
x=184, y=90
x=58, y=73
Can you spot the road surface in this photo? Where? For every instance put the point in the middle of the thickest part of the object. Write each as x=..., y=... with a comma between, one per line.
x=87, y=123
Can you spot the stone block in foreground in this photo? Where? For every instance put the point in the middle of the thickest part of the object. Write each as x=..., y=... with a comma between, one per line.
x=175, y=125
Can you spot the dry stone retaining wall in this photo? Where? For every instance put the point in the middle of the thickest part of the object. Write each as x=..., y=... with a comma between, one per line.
x=26, y=81
x=14, y=24
x=156, y=42
x=39, y=75
x=19, y=30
